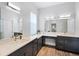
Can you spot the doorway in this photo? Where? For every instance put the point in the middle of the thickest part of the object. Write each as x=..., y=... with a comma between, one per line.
x=53, y=27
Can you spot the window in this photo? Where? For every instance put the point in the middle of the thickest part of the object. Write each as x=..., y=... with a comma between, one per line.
x=33, y=23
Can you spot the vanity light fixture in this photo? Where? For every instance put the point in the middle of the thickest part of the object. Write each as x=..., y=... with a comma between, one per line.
x=50, y=18
x=13, y=10
x=64, y=16
x=13, y=6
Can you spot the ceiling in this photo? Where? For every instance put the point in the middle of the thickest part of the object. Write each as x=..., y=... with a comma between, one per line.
x=46, y=4
x=24, y=5
x=39, y=4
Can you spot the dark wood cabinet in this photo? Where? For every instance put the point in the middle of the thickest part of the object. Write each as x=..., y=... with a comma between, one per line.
x=26, y=50
x=35, y=47
x=43, y=40
x=68, y=43
x=60, y=43
x=39, y=43
x=30, y=49
x=72, y=44
x=18, y=52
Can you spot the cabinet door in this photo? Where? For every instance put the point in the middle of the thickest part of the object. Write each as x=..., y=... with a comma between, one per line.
x=72, y=44
x=29, y=49
x=18, y=52
x=39, y=43
x=60, y=43
x=68, y=43
x=35, y=47
x=43, y=40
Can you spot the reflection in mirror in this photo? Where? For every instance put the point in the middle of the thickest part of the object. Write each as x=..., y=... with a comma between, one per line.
x=10, y=22
x=63, y=23
x=56, y=25
x=53, y=27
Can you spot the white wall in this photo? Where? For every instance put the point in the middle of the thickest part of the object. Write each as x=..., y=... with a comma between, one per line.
x=77, y=17
x=56, y=10
x=26, y=17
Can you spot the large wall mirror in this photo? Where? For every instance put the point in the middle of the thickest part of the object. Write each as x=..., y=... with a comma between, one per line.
x=10, y=22
x=60, y=25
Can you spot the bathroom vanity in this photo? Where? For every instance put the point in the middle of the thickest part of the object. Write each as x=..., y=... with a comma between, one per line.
x=30, y=46
x=68, y=43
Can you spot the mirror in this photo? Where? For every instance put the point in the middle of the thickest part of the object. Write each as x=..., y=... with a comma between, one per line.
x=60, y=25
x=10, y=22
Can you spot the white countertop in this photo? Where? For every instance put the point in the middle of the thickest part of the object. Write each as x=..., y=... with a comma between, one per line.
x=70, y=35
x=8, y=46
x=54, y=34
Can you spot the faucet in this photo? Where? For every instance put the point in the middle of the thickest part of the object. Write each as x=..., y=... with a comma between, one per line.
x=17, y=35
